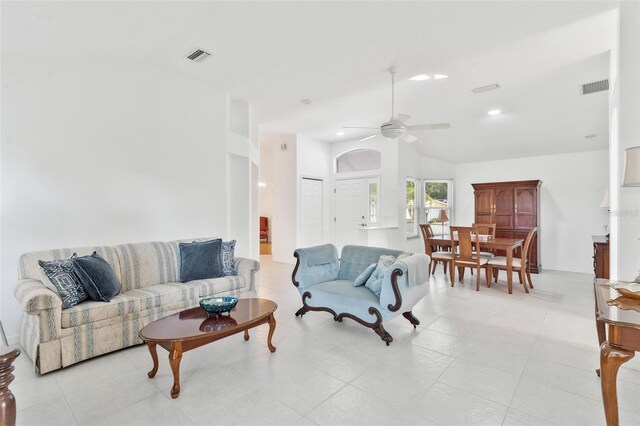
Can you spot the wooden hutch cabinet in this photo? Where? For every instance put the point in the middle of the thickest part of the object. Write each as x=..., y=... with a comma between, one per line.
x=514, y=207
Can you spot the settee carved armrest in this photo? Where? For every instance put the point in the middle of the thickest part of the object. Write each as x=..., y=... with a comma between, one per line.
x=405, y=279
x=33, y=296
x=315, y=265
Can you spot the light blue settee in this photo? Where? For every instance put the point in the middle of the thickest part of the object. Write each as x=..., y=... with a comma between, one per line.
x=325, y=283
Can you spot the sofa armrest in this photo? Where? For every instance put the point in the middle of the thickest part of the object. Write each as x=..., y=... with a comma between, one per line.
x=315, y=265
x=405, y=283
x=33, y=296
x=43, y=308
x=247, y=269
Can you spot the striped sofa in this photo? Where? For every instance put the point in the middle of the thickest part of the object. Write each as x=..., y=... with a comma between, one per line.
x=149, y=274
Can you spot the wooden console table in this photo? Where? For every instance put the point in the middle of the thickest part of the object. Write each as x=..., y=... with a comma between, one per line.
x=619, y=338
x=600, y=256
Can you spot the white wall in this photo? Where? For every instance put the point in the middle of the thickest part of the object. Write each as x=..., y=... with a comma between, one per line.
x=409, y=165
x=284, y=194
x=572, y=189
x=97, y=154
x=238, y=204
x=624, y=118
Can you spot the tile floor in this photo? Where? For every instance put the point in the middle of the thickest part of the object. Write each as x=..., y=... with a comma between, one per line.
x=477, y=358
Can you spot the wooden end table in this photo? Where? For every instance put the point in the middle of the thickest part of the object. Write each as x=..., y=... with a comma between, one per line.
x=619, y=338
x=190, y=329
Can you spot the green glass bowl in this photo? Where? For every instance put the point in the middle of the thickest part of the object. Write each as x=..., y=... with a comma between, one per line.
x=218, y=305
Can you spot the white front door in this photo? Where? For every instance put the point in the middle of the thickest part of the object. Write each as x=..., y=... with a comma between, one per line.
x=311, y=212
x=350, y=211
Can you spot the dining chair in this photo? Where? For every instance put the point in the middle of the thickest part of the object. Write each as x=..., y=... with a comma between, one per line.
x=521, y=265
x=432, y=250
x=486, y=229
x=463, y=256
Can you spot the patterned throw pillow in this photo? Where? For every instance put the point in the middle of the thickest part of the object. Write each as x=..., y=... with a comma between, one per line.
x=226, y=257
x=62, y=276
x=374, y=283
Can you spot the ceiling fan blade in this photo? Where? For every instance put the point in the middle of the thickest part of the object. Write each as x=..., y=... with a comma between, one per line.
x=402, y=118
x=435, y=126
x=409, y=138
x=366, y=138
x=368, y=128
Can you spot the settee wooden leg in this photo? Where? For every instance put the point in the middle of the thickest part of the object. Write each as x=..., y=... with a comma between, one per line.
x=302, y=311
x=384, y=335
x=412, y=319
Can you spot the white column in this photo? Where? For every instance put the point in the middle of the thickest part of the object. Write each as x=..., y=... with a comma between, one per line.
x=625, y=132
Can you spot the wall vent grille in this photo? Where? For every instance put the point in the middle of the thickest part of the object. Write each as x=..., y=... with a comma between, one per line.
x=198, y=55
x=596, y=86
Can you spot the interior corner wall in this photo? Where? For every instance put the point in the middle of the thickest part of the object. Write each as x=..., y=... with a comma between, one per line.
x=98, y=154
x=572, y=189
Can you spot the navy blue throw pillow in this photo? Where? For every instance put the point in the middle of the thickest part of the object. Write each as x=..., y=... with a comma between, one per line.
x=200, y=260
x=97, y=277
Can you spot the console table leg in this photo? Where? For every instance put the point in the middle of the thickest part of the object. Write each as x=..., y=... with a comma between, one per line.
x=246, y=335
x=154, y=357
x=175, y=356
x=272, y=328
x=611, y=359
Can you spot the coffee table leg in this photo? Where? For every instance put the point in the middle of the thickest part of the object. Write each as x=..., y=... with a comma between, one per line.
x=246, y=335
x=272, y=328
x=174, y=359
x=154, y=357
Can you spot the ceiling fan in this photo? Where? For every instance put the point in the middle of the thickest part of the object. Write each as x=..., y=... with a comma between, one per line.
x=395, y=128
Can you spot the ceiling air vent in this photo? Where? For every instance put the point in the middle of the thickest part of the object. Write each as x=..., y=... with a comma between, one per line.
x=596, y=86
x=198, y=55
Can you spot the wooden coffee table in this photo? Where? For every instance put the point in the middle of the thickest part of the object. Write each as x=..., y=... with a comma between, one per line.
x=190, y=329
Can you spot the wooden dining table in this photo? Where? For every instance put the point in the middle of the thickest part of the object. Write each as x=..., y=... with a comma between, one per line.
x=509, y=245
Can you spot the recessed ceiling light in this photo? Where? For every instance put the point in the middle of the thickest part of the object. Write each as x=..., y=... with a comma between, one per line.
x=262, y=184
x=494, y=112
x=340, y=134
x=439, y=76
x=420, y=77
x=306, y=101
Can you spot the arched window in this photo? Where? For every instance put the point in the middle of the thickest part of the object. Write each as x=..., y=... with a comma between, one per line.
x=358, y=160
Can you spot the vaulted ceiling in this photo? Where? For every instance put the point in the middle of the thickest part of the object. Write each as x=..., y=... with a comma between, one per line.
x=274, y=54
